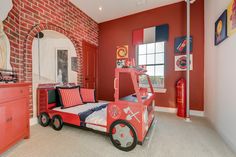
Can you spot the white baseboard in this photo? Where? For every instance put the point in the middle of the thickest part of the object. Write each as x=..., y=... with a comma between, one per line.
x=174, y=110
x=197, y=113
x=33, y=121
x=165, y=109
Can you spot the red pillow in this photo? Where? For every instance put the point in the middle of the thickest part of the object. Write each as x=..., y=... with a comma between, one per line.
x=88, y=95
x=70, y=97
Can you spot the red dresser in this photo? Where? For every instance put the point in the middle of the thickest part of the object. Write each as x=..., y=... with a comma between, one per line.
x=14, y=114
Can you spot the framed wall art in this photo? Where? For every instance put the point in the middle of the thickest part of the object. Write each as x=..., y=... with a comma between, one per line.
x=221, y=28
x=181, y=63
x=231, y=18
x=122, y=52
x=74, y=64
x=181, y=44
x=61, y=65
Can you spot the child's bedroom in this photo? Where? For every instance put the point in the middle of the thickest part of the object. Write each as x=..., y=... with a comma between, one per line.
x=108, y=78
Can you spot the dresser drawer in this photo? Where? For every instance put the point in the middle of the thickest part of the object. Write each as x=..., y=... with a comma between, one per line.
x=13, y=93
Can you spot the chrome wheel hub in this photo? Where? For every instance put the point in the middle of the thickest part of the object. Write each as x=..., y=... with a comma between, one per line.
x=123, y=135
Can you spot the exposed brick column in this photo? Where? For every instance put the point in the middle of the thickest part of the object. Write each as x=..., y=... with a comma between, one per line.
x=28, y=17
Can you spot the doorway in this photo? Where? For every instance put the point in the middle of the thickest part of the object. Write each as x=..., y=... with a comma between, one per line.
x=52, y=60
x=90, y=65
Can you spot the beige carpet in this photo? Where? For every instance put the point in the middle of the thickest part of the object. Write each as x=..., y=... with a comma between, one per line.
x=172, y=137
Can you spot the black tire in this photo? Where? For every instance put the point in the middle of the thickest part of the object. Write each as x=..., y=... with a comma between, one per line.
x=57, y=122
x=44, y=119
x=127, y=133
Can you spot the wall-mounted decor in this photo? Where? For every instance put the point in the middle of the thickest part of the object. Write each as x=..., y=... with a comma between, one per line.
x=4, y=48
x=74, y=64
x=120, y=63
x=181, y=44
x=181, y=63
x=221, y=28
x=5, y=7
x=151, y=35
x=8, y=76
x=122, y=52
x=62, y=65
x=231, y=18
x=162, y=33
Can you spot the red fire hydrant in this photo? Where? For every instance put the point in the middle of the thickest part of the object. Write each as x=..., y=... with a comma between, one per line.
x=181, y=98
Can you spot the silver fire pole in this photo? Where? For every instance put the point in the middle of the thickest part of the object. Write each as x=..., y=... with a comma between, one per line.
x=39, y=68
x=188, y=62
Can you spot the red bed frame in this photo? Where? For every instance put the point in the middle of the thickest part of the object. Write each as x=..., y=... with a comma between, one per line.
x=128, y=119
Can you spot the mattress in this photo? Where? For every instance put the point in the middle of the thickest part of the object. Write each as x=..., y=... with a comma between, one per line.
x=133, y=98
x=92, y=115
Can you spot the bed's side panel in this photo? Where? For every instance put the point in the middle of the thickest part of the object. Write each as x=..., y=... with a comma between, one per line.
x=127, y=111
x=66, y=117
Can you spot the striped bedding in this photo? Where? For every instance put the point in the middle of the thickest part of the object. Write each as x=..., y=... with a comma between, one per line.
x=92, y=115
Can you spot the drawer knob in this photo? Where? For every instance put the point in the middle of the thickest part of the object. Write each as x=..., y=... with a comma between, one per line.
x=9, y=119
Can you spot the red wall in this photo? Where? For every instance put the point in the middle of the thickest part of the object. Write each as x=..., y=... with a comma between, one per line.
x=119, y=32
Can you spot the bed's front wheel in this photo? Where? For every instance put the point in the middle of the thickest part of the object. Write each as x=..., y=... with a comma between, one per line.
x=44, y=119
x=123, y=135
x=57, y=122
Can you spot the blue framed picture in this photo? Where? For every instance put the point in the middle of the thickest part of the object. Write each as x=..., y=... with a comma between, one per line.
x=181, y=44
x=221, y=28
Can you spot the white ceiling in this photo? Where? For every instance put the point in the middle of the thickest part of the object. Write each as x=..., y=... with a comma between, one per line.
x=113, y=9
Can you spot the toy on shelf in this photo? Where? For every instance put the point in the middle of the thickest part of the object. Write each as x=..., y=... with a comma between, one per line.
x=7, y=76
x=126, y=63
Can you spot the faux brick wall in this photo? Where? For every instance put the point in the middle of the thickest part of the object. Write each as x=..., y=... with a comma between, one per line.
x=28, y=17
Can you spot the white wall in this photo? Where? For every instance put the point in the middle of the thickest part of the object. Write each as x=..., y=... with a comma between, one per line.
x=220, y=75
x=48, y=45
x=47, y=64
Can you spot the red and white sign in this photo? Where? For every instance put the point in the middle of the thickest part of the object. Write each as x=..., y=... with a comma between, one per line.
x=181, y=63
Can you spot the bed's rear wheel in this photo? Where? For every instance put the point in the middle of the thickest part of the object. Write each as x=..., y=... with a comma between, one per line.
x=57, y=122
x=123, y=135
x=44, y=119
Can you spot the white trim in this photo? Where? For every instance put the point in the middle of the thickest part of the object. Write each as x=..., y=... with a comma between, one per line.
x=174, y=110
x=160, y=90
x=197, y=113
x=165, y=109
x=33, y=121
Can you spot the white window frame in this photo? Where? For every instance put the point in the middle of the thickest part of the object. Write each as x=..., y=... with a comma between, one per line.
x=157, y=88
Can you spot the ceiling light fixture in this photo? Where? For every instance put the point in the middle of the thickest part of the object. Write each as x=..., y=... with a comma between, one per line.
x=191, y=1
x=100, y=8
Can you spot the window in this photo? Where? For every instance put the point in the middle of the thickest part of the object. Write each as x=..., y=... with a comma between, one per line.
x=152, y=55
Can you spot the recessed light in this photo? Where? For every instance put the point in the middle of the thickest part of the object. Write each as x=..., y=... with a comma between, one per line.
x=100, y=8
